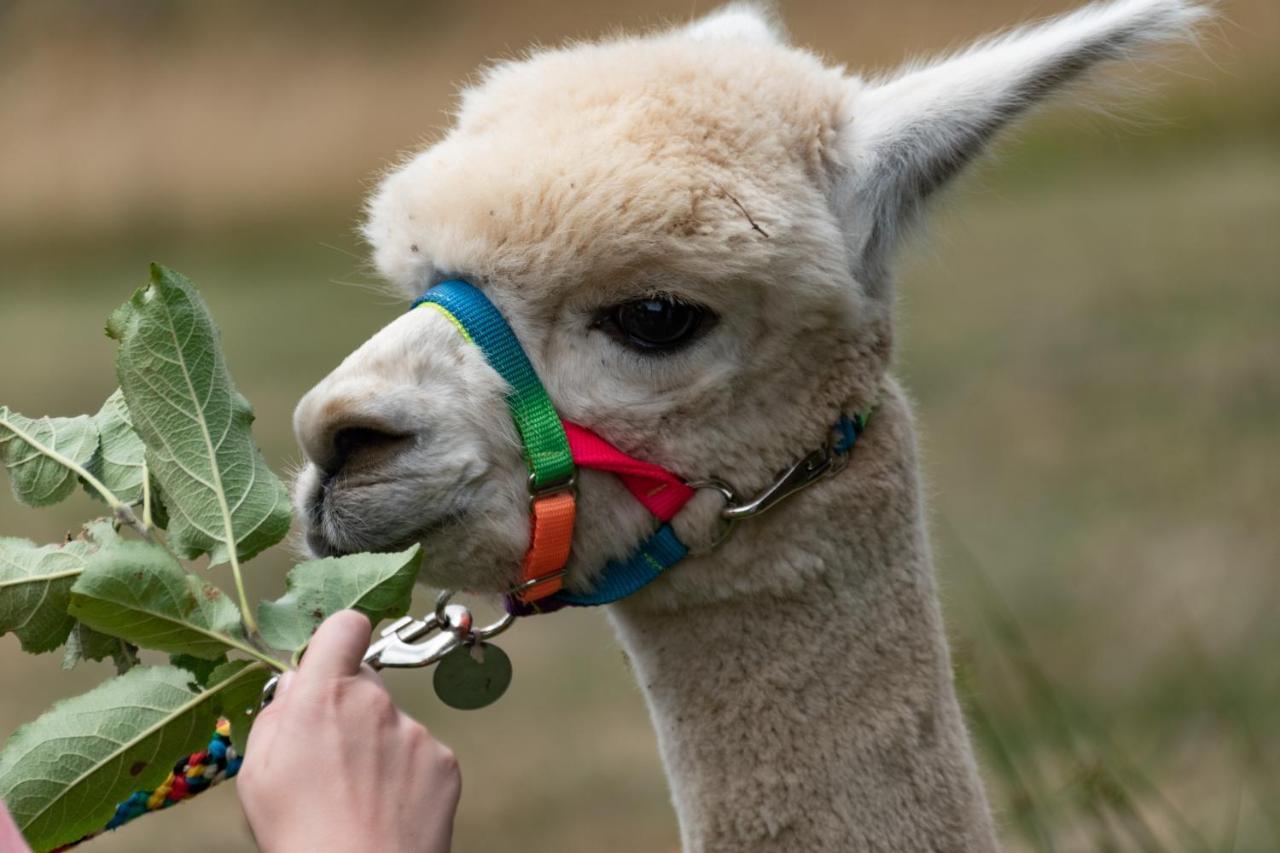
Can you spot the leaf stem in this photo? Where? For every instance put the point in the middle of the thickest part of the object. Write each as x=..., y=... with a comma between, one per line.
x=248, y=649
x=148, y=522
x=146, y=495
x=246, y=612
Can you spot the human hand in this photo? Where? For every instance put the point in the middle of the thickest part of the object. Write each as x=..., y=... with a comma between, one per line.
x=11, y=840
x=332, y=764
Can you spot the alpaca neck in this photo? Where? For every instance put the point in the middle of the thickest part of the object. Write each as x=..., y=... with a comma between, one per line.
x=811, y=706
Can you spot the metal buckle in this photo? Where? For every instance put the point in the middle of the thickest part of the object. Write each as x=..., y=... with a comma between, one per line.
x=401, y=645
x=536, y=492
x=818, y=465
x=398, y=646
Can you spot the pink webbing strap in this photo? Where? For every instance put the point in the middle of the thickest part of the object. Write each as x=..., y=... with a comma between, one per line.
x=662, y=493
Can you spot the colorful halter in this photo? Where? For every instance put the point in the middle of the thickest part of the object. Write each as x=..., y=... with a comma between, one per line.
x=552, y=447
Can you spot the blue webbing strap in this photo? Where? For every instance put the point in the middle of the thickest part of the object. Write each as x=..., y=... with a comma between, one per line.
x=621, y=578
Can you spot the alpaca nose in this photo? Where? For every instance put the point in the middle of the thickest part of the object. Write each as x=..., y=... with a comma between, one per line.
x=356, y=446
x=339, y=434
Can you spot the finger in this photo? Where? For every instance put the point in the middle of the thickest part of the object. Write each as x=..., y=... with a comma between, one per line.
x=10, y=838
x=337, y=648
x=263, y=733
x=286, y=678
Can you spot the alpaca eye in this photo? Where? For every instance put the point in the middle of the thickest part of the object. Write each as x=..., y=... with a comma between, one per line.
x=655, y=323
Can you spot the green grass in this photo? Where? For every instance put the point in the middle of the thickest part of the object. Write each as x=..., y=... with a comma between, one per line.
x=1092, y=338
x=1098, y=367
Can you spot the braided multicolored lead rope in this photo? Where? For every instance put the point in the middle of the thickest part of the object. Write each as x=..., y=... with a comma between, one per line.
x=192, y=775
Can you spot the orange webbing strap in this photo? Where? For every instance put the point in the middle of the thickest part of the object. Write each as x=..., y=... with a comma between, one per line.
x=552, y=534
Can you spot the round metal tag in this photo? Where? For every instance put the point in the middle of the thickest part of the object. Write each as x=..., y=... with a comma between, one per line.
x=472, y=676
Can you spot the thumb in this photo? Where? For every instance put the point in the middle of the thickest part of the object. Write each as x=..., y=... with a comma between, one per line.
x=337, y=649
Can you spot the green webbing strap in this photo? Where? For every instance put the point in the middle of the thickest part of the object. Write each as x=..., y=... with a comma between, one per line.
x=545, y=445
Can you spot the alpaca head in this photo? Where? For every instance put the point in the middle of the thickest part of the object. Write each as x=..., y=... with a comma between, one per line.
x=690, y=232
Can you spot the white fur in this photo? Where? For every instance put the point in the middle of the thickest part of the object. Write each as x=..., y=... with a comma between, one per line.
x=738, y=22
x=799, y=678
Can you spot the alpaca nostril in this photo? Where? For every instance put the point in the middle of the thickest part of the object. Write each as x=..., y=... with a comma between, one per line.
x=362, y=444
x=340, y=426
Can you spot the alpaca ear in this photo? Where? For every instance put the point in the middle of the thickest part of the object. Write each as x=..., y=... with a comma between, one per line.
x=914, y=131
x=739, y=22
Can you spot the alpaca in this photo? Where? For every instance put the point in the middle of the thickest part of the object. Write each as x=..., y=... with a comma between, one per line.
x=692, y=233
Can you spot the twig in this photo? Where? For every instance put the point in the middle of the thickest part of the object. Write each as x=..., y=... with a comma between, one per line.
x=250, y=649
x=146, y=494
x=755, y=225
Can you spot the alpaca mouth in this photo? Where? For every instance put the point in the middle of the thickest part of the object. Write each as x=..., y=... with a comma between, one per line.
x=341, y=518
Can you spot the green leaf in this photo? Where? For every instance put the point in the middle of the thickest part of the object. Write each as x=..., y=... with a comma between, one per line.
x=378, y=585
x=35, y=587
x=36, y=452
x=137, y=591
x=62, y=775
x=242, y=698
x=200, y=668
x=219, y=492
x=35, y=591
x=119, y=463
x=84, y=643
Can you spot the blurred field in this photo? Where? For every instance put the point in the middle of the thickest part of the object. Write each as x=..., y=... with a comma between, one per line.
x=1091, y=330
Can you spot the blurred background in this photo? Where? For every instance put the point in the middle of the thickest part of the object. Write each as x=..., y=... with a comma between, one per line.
x=1091, y=330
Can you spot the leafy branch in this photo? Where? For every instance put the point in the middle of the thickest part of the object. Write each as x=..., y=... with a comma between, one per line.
x=171, y=451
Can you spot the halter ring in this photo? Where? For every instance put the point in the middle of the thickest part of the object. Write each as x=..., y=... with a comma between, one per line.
x=727, y=521
x=488, y=631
